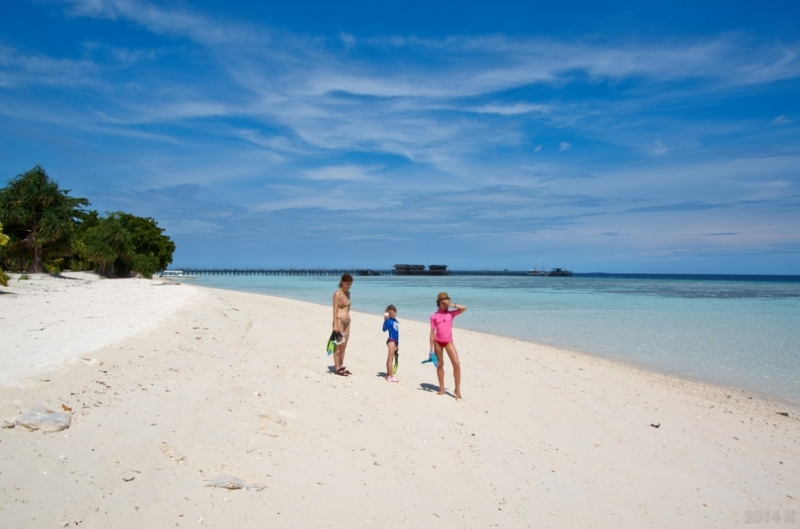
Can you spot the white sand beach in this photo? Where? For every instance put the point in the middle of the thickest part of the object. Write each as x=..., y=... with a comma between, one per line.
x=173, y=386
x=49, y=322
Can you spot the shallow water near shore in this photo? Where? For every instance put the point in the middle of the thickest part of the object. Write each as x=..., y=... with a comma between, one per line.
x=742, y=332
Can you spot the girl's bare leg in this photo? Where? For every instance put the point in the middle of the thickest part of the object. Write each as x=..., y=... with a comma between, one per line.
x=392, y=347
x=340, y=350
x=437, y=348
x=453, y=354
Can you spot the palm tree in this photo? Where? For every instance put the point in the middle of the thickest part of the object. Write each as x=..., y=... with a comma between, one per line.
x=39, y=217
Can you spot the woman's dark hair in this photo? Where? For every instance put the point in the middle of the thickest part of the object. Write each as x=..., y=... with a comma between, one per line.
x=391, y=307
x=346, y=278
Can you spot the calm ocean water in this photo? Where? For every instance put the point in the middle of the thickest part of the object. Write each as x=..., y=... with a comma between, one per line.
x=742, y=331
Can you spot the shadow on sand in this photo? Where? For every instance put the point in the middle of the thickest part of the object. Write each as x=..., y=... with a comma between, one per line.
x=432, y=388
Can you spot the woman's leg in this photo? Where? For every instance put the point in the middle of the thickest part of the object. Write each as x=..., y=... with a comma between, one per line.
x=392, y=348
x=437, y=348
x=453, y=354
x=337, y=356
x=343, y=347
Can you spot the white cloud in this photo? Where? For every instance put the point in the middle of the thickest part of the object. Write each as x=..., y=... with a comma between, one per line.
x=348, y=40
x=726, y=59
x=177, y=22
x=298, y=197
x=657, y=149
x=781, y=120
x=344, y=173
x=494, y=63
x=538, y=148
x=21, y=69
x=564, y=146
x=511, y=110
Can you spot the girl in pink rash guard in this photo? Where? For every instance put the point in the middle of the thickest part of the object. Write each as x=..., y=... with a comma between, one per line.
x=442, y=339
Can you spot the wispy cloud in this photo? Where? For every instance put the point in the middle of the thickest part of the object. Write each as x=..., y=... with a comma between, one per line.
x=177, y=22
x=685, y=206
x=348, y=173
x=657, y=149
x=512, y=109
x=20, y=69
x=348, y=40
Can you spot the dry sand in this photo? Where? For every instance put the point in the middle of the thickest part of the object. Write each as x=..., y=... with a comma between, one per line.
x=237, y=384
x=48, y=322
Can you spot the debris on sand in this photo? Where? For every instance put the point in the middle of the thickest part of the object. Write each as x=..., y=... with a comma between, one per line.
x=44, y=419
x=174, y=455
x=233, y=483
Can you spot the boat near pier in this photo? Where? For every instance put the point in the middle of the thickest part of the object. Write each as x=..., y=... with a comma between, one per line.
x=553, y=272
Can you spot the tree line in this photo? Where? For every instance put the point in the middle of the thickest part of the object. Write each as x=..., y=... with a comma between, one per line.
x=45, y=229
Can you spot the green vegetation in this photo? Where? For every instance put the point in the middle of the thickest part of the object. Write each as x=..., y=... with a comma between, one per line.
x=48, y=230
x=121, y=243
x=39, y=218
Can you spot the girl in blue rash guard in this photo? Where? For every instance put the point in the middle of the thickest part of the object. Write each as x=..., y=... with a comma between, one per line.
x=391, y=324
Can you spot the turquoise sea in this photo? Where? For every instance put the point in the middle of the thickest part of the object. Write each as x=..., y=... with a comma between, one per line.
x=742, y=331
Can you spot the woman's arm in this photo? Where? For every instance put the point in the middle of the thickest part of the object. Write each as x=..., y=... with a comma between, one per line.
x=335, y=300
x=433, y=332
x=459, y=308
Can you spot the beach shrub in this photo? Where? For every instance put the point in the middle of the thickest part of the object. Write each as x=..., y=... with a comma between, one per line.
x=105, y=244
x=153, y=248
x=39, y=218
x=54, y=266
x=122, y=244
x=85, y=221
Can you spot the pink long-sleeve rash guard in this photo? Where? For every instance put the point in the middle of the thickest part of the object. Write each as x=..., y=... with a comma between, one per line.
x=442, y=324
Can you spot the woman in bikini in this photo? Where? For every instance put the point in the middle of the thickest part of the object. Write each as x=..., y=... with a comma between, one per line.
x=341, y=323
x=442, y=339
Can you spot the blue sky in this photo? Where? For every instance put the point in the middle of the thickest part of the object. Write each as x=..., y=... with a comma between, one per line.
x=619, y=137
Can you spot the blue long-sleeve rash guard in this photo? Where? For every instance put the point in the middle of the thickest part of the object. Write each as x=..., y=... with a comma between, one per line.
x=393, y=326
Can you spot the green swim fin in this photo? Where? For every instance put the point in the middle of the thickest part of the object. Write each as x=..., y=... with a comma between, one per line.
x=332, y=343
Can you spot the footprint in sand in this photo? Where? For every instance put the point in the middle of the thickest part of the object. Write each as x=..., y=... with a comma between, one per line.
x=171, y=453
